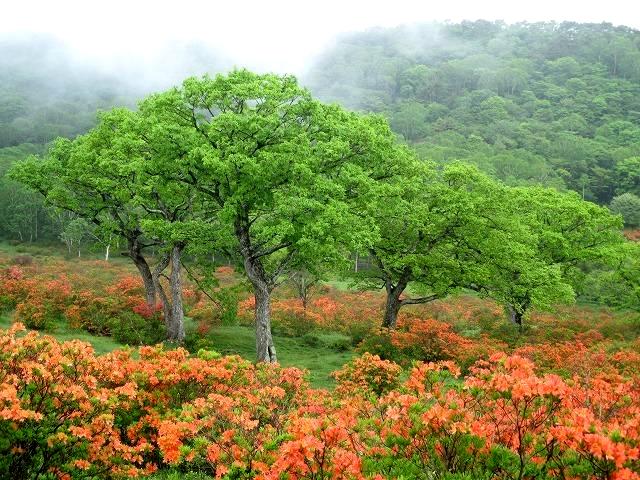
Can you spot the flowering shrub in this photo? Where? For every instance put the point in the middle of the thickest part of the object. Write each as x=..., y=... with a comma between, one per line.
x=367, y=374
x=67, y=413
x=55, y=415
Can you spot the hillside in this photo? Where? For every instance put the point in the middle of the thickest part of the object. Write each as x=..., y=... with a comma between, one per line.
x=557, y=104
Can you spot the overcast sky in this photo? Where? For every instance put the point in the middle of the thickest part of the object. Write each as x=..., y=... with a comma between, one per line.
x=278, y=35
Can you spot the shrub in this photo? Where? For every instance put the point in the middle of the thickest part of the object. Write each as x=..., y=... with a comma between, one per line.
x=132, y=329
x=56, y=419
x=340, y=344
x=23, y=260
x=311, y=340
x=368, y=374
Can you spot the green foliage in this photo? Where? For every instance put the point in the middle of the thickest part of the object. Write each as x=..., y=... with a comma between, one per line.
x=618, y=287
x=531, y=103
x=627, y=205
x=129, y=328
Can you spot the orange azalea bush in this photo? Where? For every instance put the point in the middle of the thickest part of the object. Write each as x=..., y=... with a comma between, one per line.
x=67, y=413
x=56, y=416
x=368, y=374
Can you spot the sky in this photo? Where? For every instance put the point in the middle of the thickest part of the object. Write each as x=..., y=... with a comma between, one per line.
x=275, y=35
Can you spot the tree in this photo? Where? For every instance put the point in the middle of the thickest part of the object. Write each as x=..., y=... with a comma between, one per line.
x=74, y=233
x=86, y=176
x=627, y=173
x=112, y=177
x=564, y=233
x=437, y=232
x=281, y=173
x=304, y=282
x=627, y=205
x=409, y=120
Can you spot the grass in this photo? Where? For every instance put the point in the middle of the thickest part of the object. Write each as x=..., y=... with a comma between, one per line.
x=320, y=360
x=63, y=332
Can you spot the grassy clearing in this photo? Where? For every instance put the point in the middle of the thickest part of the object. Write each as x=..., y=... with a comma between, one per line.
x=320, y=360
x=63, y=332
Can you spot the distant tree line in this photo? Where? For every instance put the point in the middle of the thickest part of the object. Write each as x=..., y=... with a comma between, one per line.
x=556, y=104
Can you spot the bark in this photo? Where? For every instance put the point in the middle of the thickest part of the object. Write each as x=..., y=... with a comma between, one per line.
x=175, y=323
x=160, y=267
x=391, y=310
x=265, y=349
x=172, y=307
x=262, y=287
x=515, y=316
x=145, y=272
x=393, y=303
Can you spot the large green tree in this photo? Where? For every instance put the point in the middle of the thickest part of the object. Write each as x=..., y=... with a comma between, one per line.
x=113, y=178
x=438, y=233
x=86, y=176
x=564, y=235
x=282, y=174
x=455, y=229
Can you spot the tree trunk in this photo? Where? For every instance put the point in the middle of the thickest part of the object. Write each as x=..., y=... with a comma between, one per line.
x=265, y=349
x=515, y=316
x=145, y=272
x=392, y=307
x=106, y=253
x=175, y=324
x=393, y=302
x=160, y=267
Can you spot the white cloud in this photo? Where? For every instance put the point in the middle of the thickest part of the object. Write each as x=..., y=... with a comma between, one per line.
x=277, y=35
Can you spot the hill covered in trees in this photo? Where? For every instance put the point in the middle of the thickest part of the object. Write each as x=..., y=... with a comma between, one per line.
x=48, y=91
x=557, y=104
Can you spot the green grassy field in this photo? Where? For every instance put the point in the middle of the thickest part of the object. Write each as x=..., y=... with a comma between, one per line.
x=320, y=360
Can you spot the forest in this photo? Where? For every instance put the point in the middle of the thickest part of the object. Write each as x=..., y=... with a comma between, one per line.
x=437, y=223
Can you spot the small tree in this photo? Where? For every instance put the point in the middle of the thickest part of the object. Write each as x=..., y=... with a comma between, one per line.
x=74, y=233
x=627, y=205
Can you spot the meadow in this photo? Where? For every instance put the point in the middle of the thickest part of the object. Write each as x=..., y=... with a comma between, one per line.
x=455, y=391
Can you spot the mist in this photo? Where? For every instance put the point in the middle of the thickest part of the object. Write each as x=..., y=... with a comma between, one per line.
x=157, y=43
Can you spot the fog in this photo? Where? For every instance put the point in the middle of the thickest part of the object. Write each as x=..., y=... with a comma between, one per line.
x=160, y=41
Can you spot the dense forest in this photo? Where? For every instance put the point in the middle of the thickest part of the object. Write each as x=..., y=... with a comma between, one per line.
x=556, y=104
